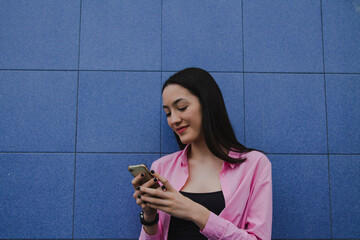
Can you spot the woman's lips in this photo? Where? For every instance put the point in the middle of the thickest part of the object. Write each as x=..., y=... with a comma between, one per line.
x=181, y=129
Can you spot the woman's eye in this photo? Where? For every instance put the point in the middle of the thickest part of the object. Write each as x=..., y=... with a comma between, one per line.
x=182, y=109
x=167, y=114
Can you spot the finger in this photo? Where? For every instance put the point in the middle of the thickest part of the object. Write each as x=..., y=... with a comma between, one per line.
x=158, y=207
x=137, y=193
x=155, y=201
x=136, y=181
x=164, y=181
x=139, y=201
x=151, y=182
x=159, y=193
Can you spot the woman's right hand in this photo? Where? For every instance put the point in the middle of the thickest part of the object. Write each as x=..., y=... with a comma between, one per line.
x=149, y=213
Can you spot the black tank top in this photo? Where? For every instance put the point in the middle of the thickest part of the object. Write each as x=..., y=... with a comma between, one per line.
x=183, y=229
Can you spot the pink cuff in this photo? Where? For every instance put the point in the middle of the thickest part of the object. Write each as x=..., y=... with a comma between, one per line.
x=215, y=227
x=145, y=236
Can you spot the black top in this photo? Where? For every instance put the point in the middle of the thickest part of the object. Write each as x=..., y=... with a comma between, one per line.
x=183, y=229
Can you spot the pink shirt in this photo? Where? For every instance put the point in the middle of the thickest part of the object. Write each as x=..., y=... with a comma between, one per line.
x=247, y=190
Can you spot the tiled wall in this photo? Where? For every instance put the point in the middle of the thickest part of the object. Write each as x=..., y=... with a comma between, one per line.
x=80, y=100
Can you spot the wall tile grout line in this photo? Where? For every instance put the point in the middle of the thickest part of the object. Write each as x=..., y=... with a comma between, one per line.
x=24, y=152
x=243, y=67
x=161, y=66
x=160, y=152
x=160, y=115
x=39, y=70
x=76, y=124
x=327, y=129
x=170, y=71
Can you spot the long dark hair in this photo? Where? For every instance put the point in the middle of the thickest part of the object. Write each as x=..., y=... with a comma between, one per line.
x=218, y=132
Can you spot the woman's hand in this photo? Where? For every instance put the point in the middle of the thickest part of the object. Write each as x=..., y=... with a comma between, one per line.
x=149, y=213
x=169, y=200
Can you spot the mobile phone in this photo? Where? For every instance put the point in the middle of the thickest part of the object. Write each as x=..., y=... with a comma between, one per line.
x=135, y=170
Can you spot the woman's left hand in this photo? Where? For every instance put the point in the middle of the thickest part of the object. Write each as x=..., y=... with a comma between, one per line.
x=171, y=201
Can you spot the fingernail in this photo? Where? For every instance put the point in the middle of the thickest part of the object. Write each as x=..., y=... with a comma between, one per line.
x=142, y=174
x=144, y=202
x=155, y=180
x=139, y=196
x=152, y=171
x=163, y=187
x=138, y=188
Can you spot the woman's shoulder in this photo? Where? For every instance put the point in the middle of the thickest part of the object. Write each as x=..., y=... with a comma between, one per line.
x=255, y=157
x=169, y=156
x=168, y=159
x=256, y=165
x=256, y=154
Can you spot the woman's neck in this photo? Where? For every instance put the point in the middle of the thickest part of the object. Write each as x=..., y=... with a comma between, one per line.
x=199, y=151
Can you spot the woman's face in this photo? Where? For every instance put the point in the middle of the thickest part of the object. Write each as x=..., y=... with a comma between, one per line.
x=184, y=113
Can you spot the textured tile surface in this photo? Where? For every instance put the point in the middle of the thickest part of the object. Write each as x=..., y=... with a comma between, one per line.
x=285, y=113
x=300, y=197
x=282, y=36
x=119, y=112
x=41, y=34
x=104, y=206
x=36, y=199
x=121, y=35
x=202, y=34
x=345, y=196
x=341, y=20
x=343, y=107
x=38, y=111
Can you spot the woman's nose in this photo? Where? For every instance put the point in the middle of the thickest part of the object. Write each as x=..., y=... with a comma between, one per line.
x=174, y=118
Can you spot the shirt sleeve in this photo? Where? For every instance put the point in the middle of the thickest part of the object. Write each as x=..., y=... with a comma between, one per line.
x=258, y=215
x=145, y=236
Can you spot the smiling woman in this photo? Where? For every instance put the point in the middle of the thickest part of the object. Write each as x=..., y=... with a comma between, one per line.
x=183, y=112
x=215, y=187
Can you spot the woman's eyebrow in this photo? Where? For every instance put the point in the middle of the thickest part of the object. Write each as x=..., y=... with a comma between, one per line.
x=175, y=102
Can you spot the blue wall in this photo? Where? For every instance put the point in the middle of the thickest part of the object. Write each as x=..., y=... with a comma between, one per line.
x=80, y=101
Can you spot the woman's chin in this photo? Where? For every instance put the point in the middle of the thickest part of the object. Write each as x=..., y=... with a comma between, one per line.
x=190, y=139
x=184, y=141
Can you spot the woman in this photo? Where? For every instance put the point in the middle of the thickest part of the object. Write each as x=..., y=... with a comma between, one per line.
x=214, y=188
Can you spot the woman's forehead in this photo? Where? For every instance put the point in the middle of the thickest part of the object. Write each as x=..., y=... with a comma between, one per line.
x=175, y=92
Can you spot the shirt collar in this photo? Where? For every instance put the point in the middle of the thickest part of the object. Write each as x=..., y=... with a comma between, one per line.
x=183, y=155
x=233, y=155
x=184, y=162
x=231, y=165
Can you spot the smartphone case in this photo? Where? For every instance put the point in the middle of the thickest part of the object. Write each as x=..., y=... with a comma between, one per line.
x=135, y=170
